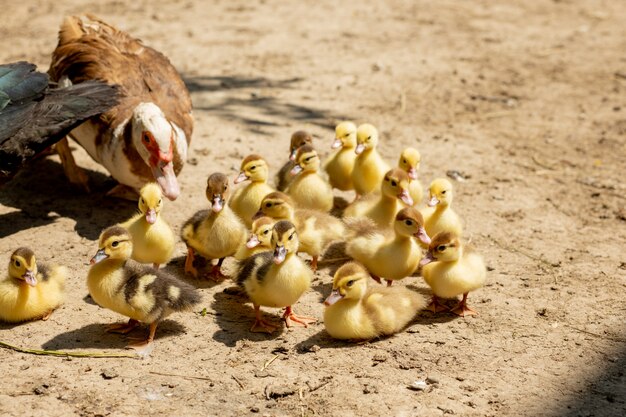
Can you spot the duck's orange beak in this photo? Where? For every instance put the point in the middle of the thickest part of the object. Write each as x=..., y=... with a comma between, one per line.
x=333, y=298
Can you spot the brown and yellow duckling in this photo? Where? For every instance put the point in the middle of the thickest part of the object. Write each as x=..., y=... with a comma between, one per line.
x=450, y=270
x=369, y=166
x=298, y=139
x=30, y=291
x=357, y=311
x=215, y=233
x=139, y=292
x=382, y=209
x=277, y=279
x=259, y=239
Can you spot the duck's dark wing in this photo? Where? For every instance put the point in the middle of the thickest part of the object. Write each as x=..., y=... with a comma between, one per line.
x=34, y=118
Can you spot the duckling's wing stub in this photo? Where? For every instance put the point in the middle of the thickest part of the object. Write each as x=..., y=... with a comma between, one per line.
x=259, y=262
x=32, y=123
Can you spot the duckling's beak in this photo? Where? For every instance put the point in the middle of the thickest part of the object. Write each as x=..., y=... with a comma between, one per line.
x=292, y=155
x=296, y=169
x=333, y=298
x=279, y=254
x=253, y=242
x=258, y=214
x=412, y=173
x=422, y=236
x=241, y=177
x=433, y=201
x=151, y=216
x=29, y=277
x=218, y=203
x=405, y=197
x=428, y=258
x=336, y=144
x=99, y=256
x=359, y=149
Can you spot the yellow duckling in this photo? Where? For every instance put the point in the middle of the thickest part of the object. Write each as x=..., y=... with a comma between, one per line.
x=277, y=279
x=438, y=216
x=137, y=291
x=340, y=165
x=246, y=200
x=298, y=139
x=409, y=162
x=215, y=233
x=30, y=291
x=393, y=257
x=316, y=230
x=369, y=166
x=153, y=239
x=260, y=239
x=359, y=312
x=382, y=209
x=450, y=270
x=308, y=189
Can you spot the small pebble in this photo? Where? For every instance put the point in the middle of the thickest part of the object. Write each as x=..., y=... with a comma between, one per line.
x=109, y=374
x=418, y=385
x=432, y=380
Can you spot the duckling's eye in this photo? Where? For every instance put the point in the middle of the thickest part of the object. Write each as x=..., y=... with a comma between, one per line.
x=268, y=205
x=160, y=201
x=443, y=192
x=441, y=248
x=369, y=137
x=307, y=159
x=291, y=236
x=394, y=183
x=408, y=222
x=142, y=201
x=114, y=244
x=252, y=168
x=225, y=187
x=350, y=283
x=17, y=263
x=266, y=232
x=404, y=161
x=346, y=135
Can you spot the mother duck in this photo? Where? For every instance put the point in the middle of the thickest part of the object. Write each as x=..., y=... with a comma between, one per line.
x=145, y=137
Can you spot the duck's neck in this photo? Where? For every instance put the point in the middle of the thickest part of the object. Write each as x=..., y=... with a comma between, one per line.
x=441, y=207
x=402, y=238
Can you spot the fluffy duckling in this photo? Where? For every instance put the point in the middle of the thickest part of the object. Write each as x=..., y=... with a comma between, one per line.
x=137, y=291
x=215, y=233
x=153, y=238
x=382, y=209
x=409, y=162
x=391, y=257
x=358, y=312
x=339, y=166
x=438, y=216
x=260, y=239
x=451, y=270
x=308, y=189
x=298, y=139
x=277, y=279
x=369, y=166
x=246, y=200
x=30, y=291
x=316, y=230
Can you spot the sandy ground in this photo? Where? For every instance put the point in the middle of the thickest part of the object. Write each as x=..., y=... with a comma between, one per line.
x=526, y=100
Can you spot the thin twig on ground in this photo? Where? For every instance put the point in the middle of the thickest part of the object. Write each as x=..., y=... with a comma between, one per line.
x=182, y=376
x=70, y=354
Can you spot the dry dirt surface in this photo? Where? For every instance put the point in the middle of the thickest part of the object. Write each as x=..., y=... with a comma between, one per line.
x=526, y=99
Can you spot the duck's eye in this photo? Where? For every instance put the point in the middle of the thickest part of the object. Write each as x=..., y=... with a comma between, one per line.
x=443, y=192
x=17, y=263
x=307, y=159
x=142, y=201
x=268, y=205
x=160, y=201
x=408, y=222
x=291, y=236
x=404, y=161
x=266, y=232
x=350, y=283
x=146, y=138
x=394, y=183
x=252, y=168
x=114, y=244
x=346, y=135
x=441, y=248
x=369, y=138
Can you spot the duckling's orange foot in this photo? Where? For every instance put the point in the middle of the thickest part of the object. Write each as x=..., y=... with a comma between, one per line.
x=313, y=264
x=189, y=268
x=261, y=326
x=123, y=192
x=122, y=328
x=376, y=278
x=292, y=319
x=463, y=310
x=46, y=316
x=436, y=307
